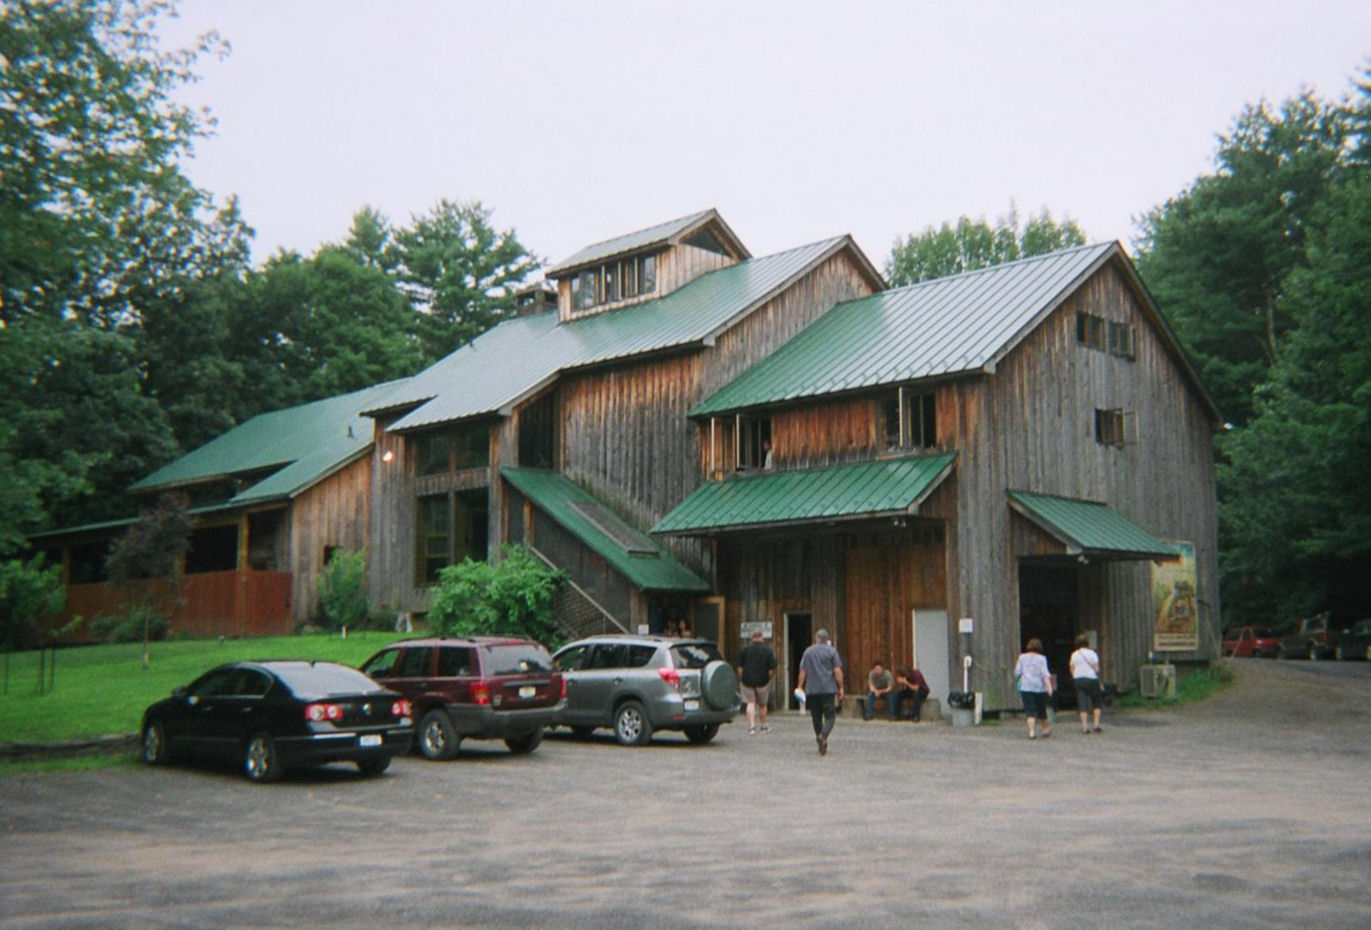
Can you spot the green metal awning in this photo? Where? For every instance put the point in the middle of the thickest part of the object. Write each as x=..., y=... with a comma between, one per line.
x=628, y=550
x=888, y=488
x=1089, y=527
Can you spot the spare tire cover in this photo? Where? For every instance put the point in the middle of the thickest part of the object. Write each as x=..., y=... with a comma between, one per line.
x=719, y=685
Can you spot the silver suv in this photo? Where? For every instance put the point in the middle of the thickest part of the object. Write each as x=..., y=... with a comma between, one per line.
x=638, y=684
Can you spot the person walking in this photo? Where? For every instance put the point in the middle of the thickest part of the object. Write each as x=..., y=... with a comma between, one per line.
x=821, y=680
x=1034, y=682
x=756, y=668
x=1085, y=672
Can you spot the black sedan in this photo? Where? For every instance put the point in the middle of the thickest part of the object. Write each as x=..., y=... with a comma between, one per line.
x=273, y=716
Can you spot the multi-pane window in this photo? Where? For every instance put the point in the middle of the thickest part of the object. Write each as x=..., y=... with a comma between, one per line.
x=909, y=419
x=614, y=281
x=468, y=446
x=1119, y=339
x=432, y=452
x=435, y=536
x=1115, y=426
x=1123, y=340
x=1090, y=330
x=471, y=446
x=451, y=527
x=754, y=442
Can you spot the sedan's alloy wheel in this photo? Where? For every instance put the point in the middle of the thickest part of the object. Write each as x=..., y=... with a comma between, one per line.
x=259, y=759
x=154, y=744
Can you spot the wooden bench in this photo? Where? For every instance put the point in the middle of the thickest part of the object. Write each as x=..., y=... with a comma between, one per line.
x=855, y=705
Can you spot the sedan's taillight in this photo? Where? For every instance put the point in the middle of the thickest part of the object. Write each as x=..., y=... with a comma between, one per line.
x=320, y=712
x=563, y=689
x=402, y=708
x=480, y=692
x=671, y=677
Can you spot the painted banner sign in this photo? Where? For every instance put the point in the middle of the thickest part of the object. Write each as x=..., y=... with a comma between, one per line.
x=1177, y=627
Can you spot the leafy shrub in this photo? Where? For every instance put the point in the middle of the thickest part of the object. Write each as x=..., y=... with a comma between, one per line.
x=28, y=591
x=128, y=627
x=512, y=596
x=343, y=590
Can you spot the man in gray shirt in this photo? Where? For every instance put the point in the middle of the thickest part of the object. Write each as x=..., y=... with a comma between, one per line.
x=821, y=680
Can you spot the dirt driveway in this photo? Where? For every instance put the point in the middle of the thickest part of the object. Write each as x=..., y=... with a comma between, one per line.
x=1248, y=811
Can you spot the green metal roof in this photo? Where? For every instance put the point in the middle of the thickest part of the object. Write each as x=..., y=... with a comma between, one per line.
x=644, y=239
x=628, y=550
x=889, y=487
x=962, y=323
x=304, y=444
x=521, y=356
x=1089, y=527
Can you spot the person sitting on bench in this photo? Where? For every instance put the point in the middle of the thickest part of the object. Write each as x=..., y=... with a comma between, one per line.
x=910, y=683
x=880, y=685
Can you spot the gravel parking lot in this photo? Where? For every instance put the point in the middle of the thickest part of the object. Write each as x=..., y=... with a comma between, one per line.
x=1247, y=811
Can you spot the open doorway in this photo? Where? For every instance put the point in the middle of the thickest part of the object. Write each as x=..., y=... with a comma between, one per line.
x=799, y=635
x=1049, y=609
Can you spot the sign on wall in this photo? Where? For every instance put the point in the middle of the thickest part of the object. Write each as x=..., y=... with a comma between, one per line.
x=749, y=626
x=1177, y=626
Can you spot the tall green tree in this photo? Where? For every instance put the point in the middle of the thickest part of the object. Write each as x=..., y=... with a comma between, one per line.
x=90, y=134
x=460, y=272
x=971, y=244
x=96, y=225
x=1294, y=500
x=304, y=329
x=1216, y=256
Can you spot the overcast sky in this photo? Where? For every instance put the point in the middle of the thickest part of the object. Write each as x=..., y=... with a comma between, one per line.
x=799, y=120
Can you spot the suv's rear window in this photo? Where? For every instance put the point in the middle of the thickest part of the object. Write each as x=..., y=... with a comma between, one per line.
x=694, y=655
x=517, y=660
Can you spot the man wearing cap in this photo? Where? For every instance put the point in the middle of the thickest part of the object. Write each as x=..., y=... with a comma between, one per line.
x=756, y=666
x=821, y=680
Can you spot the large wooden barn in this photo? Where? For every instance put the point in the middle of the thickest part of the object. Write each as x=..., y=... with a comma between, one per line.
x=782, y=442
x=777, y=443
x=1022, y=451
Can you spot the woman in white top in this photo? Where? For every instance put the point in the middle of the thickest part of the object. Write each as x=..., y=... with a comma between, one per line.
x=1035, y=686
x=1085, y=670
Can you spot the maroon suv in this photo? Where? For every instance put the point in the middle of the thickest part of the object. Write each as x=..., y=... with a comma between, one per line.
x=479, y=687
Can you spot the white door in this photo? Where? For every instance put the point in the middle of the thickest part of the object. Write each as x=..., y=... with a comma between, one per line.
x=930, y=652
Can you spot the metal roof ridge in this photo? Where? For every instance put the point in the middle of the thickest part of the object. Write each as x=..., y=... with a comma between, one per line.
x=1004, y=266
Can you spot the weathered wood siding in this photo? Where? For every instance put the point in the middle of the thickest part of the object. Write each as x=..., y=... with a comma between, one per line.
x=681, y=264
x=625, y=432
x=395, y=490
x=334, y=512
x=390, y=559
x=1031, y=426
x=862, y=584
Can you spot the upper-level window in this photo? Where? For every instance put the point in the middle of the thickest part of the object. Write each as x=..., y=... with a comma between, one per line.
x=1120, y=339
x=1115, y=426
x=614, y=281
x=754, y=442
x=1123, y=340
x=909, y=419
x=432, y=452
x=437, y=453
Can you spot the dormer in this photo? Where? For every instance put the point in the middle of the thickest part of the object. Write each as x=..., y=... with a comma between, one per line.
x=643, y=265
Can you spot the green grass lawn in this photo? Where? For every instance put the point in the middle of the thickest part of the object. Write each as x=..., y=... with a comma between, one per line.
x=100, y=690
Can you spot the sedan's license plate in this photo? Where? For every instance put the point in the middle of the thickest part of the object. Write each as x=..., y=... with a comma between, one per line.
x=527, y=691
x=369, y=739
x=692, y=705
